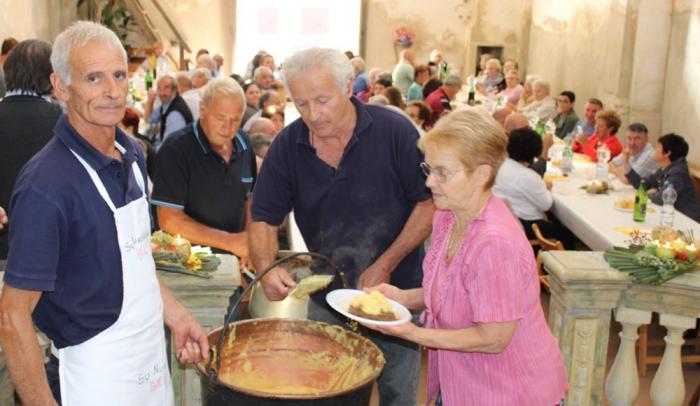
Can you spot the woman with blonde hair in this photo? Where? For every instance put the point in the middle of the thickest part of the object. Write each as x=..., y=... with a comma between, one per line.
x=484, y=326
x=607, y=122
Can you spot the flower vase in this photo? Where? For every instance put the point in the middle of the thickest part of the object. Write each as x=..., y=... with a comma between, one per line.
x=404, y=42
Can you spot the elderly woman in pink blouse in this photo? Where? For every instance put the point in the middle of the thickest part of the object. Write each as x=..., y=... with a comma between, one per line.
x=513, y=89
x=484, y=326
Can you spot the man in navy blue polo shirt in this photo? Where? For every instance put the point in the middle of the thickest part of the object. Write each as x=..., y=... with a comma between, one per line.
x=351, y=174
x=80, y=264
x=205, y=172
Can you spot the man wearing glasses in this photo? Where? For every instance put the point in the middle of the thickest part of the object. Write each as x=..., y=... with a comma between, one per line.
x=566, y=117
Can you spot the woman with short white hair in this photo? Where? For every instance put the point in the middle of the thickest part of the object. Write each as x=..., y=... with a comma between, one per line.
x=490, y=82
x=543, y=107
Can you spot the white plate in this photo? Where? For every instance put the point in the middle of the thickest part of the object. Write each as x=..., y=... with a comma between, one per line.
x=340, y=300
x=618, y=208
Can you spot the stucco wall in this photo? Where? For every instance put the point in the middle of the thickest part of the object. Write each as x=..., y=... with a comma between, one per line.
x=437, y=25
x=455, y=27
x=42, y=19
x=205, y=24
x=497, y=23
x=569, y=46
x=681, y=106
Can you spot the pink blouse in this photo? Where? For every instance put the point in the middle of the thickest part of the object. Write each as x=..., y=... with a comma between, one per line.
x=491, y=278
x=513, y=95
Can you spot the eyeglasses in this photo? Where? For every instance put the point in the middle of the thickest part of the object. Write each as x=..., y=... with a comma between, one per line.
x=441, y=174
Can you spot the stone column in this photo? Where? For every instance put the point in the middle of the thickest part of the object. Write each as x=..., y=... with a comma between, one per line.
x=622, y=385
x=651, y=44
x=668, y=386
x=584, y=290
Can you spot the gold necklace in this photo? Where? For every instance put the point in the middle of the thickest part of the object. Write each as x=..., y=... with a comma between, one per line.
x=455, y=239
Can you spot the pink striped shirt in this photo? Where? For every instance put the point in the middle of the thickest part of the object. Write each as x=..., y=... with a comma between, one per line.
x=490, y=279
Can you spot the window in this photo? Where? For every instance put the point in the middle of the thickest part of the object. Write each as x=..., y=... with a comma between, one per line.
x=281, y=27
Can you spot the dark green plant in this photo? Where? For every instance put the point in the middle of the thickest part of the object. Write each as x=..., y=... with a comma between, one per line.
x=115, y=16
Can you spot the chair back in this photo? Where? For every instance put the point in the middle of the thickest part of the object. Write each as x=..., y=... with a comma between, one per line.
x=545, y=245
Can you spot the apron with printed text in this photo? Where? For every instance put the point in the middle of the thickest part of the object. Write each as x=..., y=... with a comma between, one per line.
x=126, y=364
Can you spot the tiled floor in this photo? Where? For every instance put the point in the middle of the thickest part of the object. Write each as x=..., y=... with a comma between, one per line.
x=691, y=371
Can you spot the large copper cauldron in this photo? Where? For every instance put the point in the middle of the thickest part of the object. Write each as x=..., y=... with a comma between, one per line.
x=291, y=362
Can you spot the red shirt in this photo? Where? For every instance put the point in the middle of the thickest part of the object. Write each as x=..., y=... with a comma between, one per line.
x=438, y=101
x=592, y=145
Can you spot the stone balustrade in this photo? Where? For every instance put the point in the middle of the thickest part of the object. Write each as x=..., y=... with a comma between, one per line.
x=584, y=290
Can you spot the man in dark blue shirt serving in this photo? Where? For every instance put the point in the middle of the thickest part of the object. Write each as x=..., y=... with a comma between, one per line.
x=80, y=264
x=351, y=174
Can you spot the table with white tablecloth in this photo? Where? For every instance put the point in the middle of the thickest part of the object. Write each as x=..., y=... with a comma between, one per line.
x=594, y=218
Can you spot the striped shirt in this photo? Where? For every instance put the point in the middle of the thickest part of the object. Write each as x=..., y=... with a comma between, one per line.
x=643, y=163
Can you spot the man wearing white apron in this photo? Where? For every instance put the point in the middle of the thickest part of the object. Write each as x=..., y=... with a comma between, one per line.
x=80, y=263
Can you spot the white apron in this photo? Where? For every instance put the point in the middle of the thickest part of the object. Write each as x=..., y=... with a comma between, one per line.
x=126, y=364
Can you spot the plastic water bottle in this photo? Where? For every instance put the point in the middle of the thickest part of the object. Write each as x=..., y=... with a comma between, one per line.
x=603, y=156
x=567, y=159
x=669, y=197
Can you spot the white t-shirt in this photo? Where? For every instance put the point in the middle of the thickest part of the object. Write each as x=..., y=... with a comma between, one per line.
x=524, y=190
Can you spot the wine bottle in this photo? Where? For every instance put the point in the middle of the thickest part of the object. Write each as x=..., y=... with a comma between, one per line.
x=640, y=203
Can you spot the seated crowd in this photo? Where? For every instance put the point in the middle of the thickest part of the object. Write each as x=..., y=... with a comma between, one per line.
x=424, y=94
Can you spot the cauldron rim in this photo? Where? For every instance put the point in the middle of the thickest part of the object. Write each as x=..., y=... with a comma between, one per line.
x=200, y=366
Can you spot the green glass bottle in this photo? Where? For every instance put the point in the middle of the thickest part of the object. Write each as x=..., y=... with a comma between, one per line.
x=148, y=79
x=640, y=203
x=471, y=100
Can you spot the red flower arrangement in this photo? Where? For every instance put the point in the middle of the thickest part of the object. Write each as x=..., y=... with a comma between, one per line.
x=404, y=36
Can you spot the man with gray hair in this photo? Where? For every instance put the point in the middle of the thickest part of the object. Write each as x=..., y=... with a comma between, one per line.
x=350, y=172
x=204, y=174
x=170, y=114
x=439, y=100
x=263, y=77
x=638, y=156
x=80, y=264
x=361, y=80
x=543, y=107
x=208, y=62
